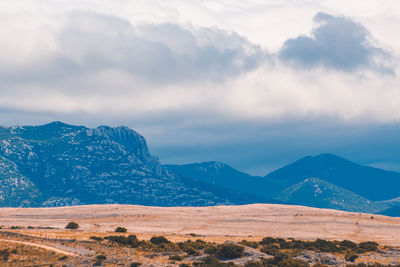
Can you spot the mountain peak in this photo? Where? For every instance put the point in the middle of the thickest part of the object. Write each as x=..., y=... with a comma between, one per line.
x=372, y=183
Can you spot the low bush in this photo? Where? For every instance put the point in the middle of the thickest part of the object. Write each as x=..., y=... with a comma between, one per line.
x=229, y=251
x=249, y=243
x=159, y=240
x=270, y=249
x=72, y=226
x=350, y=256
x=120, y=230
x=368, y=246
x=131, y=240
x=101, y=257
x=4, y=254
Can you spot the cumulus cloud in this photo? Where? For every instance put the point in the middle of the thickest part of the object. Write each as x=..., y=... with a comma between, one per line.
x=336, y=43
x=156, y=52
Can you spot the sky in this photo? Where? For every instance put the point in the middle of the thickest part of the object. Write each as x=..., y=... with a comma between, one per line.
x=255, y=84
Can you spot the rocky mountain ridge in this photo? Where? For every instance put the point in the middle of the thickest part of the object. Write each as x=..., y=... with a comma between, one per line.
x=59, y=164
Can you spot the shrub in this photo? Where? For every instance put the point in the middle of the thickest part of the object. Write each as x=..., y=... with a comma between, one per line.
x=72, y=226
x=135, y=264
x=158, y=240
x=270, y=249
x=267, y=240
x=131, y=240
x=249, y=244
x=368, y=246
x=101, y=257
x=284, y=259
x=346, y=244
x=229, y=251
x=350, y=256
x=120, y=230
x=199, y=244
x=210, y=249
x=4, y=254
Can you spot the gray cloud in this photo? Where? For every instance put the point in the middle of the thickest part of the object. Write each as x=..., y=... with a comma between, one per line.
x=158, y=52
x=336, y=43
x=89, y=42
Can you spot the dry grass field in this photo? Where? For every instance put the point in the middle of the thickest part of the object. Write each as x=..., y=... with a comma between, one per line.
x=39, y=233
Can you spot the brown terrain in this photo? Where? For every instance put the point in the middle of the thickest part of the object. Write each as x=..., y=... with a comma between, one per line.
x=40, y=228
x=258, y=220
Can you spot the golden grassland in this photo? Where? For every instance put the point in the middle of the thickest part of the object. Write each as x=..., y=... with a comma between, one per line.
x=47, y=242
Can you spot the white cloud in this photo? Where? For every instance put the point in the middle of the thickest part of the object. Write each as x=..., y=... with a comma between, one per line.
x=193, y=57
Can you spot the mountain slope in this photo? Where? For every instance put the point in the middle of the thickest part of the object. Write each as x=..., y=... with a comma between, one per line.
x=314, y=192
x=371, y=183
x=65, y=165
x=221, y=174
x=393, y=211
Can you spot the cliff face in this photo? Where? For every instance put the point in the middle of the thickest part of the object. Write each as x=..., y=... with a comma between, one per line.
x=58, y=164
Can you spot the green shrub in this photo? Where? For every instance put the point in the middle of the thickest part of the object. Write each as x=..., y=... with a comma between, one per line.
x=135, y=264
x=210, y=249
x=268, y=240
x=4, y=254
x=229, y=251
x=131, y=240
x=101, y=257
x=159, y=240
x=368, y=246
x=72, y=226
x=284, y=260
x=120, y=230
x=350, y=256
x=249, y=244
x=270, y=249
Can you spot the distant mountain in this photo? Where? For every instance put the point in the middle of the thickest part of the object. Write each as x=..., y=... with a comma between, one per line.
x=58, y=164
x=393, y=211
x=340, y=184
x=314, y=192
x=221, y=174
x=371, y=183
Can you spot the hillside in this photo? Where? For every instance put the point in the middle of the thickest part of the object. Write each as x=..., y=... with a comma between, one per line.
x=221, y=174
x=314, y=192
x=368, y=182
x=58, y=164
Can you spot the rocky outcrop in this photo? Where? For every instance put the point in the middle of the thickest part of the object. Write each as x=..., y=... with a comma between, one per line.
x=59, y=164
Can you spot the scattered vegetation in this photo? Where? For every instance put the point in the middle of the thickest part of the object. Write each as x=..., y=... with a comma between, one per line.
x=4, y=254
x=72, y=226
x=159, y=240
x=283, y=252
x=120, y=230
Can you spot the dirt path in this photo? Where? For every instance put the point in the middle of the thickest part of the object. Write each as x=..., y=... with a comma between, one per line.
x=68, y=253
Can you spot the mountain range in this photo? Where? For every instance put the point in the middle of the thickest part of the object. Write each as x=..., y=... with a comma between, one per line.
x=57, y=164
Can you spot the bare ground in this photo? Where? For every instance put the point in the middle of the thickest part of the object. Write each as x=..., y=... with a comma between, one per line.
x=214, y=223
